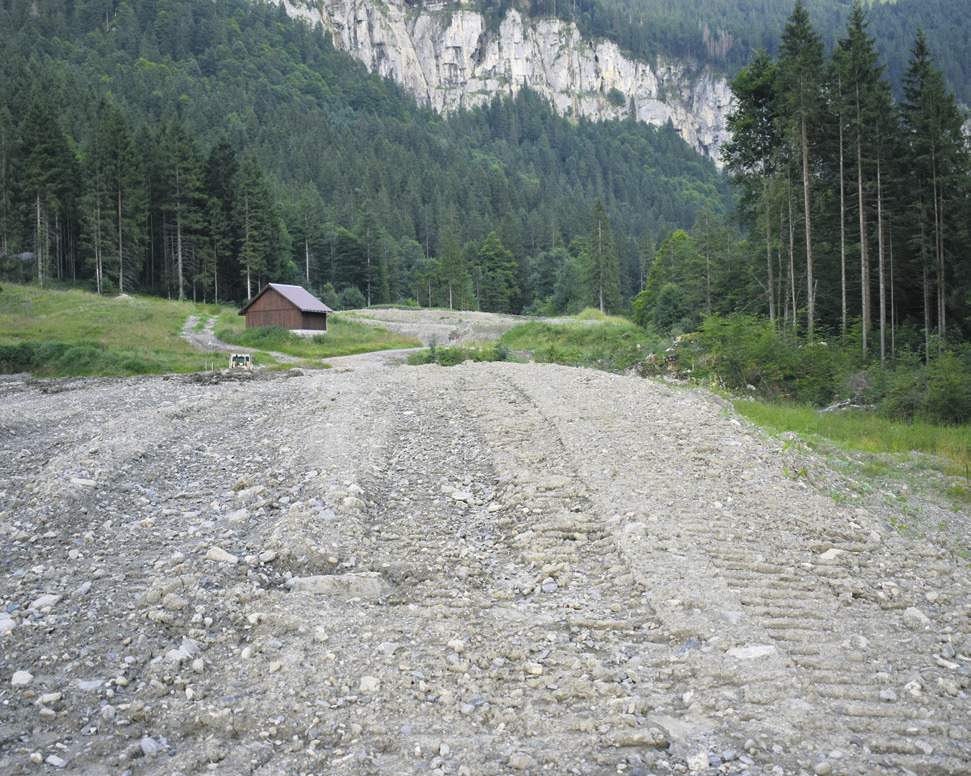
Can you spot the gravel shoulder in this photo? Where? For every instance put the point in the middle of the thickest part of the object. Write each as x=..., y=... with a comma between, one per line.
x=487, y=569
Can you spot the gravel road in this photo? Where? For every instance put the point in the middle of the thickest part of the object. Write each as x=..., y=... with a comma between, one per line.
x=482, y=570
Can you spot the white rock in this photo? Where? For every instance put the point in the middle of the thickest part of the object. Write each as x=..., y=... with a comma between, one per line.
x=44, y=602
x=698, y=762
x=369, y=685
x=21, y=678
x=362, y=585
x=914, y=618
x=220, y=555
x=239, y=516
x=751, y=653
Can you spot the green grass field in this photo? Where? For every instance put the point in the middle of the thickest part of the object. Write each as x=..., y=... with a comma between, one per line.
x=55, y=332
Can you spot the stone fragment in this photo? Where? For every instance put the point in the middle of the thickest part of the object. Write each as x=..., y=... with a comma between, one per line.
x=369, y=685
x=44, y=602
x=751, y=653
x=21, y=679
x=522, y=762
x=697, y=762
x=368, y=584
x=149, y=746
x=220, y=555
x=914, y=618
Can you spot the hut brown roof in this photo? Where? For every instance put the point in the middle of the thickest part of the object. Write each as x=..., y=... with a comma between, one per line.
x=299, y=296
x=291, y=307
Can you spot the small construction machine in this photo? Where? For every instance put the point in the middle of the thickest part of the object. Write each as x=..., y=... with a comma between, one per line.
x=240, y=361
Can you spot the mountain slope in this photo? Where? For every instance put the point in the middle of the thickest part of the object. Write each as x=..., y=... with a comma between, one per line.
x=452, y=57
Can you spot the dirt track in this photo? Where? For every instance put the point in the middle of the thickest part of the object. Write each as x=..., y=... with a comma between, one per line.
x=488, y=569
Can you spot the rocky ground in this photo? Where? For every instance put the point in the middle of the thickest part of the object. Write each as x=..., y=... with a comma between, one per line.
x=441, y=327
x=487, y=569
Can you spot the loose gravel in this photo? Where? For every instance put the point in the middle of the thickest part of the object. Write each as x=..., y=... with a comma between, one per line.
x=486, y=569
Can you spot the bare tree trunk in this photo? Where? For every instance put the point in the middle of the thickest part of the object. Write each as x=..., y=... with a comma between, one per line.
x=178, y=257
x=39, y=220
x=792, y=269
x=768, y=250
x=811, y=289
x=121, y=255
x=842, y=239
x=864, y=245
x=939, y=259
x=880, y=260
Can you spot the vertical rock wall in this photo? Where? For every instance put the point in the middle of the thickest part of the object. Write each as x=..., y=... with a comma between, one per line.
x=447, y=58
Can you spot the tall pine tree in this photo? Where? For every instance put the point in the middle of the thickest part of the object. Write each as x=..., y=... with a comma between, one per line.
x=800, y=77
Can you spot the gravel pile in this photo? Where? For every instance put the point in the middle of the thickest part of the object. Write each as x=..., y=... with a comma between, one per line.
x=483, y=570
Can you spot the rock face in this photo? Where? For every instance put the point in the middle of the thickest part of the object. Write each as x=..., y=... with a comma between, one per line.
x=448, y=58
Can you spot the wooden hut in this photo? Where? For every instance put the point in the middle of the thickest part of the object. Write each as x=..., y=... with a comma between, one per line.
x=289, y=307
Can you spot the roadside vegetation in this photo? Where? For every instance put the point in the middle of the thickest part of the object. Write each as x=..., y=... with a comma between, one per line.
x=57, y=333
x=68, y=332
x=344, y=337
x=589, y=339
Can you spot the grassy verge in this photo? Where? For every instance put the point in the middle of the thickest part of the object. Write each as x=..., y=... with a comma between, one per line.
x=56, y=333
x=911, y=465
x=344, y=337
x=868, y=433
x=591, y=340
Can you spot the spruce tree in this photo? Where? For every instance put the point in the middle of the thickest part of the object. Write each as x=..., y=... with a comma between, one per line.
x=181, y=200
x=601, y=272
x=867, y=108
x=751, y=153
x=8, y=177
x=45, y=179
x=800, y=77
x=937, y=158
x=498, y=270
x=219, y=185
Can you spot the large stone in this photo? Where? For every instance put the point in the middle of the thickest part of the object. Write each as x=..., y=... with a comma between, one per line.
x=368, y=584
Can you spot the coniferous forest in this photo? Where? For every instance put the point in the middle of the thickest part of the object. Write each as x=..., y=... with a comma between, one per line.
x=199, y=150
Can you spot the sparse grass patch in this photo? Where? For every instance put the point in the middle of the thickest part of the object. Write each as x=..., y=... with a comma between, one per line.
x=593, y=340
x=344, y=337
x=867, y=432
x=54, y=332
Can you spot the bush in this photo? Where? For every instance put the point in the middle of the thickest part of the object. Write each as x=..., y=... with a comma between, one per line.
x=501, y=352
x=351, y=298
x=16, y=358
x=948, y=390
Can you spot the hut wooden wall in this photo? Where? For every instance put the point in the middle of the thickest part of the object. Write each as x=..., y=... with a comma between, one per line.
x=271, y=309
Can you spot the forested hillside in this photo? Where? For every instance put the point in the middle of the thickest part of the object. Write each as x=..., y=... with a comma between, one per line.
x=725, y=32
x=858, y=203
x=200, y=149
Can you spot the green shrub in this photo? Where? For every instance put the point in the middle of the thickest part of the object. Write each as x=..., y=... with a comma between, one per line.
x=501, y=352
x=948, y=389
x=16, y=358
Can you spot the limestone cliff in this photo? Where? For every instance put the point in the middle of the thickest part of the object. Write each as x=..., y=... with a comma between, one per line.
x=445, y=55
